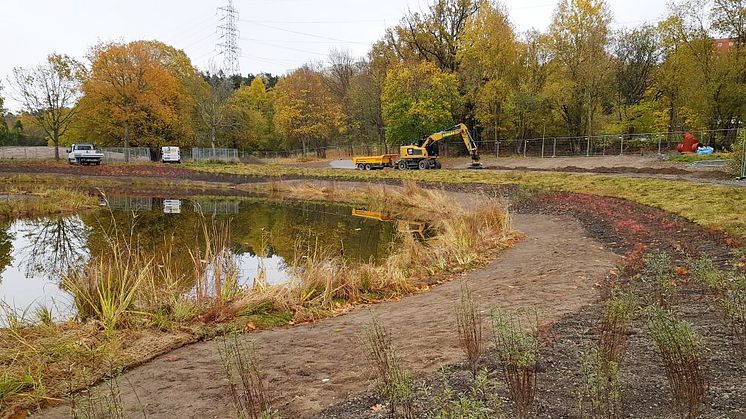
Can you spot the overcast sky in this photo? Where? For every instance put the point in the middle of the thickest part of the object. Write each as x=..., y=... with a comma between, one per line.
x=276, y=35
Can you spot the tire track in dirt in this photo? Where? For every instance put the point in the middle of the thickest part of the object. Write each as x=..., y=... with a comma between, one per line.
x=553, y=269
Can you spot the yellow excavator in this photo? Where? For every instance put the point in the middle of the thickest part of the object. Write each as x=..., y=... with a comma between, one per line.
x=424, y=154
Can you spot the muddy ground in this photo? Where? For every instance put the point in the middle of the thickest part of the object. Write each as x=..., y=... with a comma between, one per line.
x=318, y=369
x=542, y=271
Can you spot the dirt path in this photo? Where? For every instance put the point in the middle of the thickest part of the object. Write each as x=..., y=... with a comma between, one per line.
x=553, y=270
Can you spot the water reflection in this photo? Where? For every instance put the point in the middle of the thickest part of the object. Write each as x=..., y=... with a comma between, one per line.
x=264, y=238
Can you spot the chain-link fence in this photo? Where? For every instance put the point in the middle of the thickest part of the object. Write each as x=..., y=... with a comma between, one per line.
x=215, y=154
x=118, y=154
x=598, y=145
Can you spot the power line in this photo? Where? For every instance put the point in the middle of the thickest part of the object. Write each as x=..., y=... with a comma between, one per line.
x=291, y=48
x=305, y=33
x=229, y=35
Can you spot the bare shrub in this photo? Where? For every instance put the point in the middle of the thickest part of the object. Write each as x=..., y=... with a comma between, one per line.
x=734, y=307
x=470, y=325
x=658, y=271
x=681, y=351
x=246, y=381
x=620, y=309
x=395, y=383
x=600, y=394
x=518, y=351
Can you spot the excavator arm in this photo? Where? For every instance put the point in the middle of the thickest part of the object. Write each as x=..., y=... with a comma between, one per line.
x=463, y=131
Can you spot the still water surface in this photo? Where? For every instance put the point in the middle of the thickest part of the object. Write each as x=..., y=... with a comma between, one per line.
x=36, y=254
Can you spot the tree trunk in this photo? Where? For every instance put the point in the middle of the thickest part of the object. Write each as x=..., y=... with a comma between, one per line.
x=212, y=137
x=56, y=141
x=126, y=141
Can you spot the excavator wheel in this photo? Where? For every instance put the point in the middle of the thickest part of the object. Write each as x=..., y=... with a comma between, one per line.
x=424, y=164
x=402, y=165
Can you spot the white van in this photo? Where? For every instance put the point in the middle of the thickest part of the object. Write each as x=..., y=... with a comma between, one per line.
x=170, y=154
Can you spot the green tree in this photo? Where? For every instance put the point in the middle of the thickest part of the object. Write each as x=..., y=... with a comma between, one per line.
x=418, y=99
x=249, y=116
x=48, y=93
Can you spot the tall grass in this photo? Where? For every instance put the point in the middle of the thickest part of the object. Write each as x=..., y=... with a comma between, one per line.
x=215, y=270
x=106, y=288
x=245, y=379
x=394, y=381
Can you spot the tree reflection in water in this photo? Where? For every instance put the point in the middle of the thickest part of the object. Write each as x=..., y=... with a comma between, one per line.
x=53, y=246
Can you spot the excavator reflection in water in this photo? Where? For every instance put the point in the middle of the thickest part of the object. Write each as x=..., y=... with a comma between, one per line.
x=418, y=229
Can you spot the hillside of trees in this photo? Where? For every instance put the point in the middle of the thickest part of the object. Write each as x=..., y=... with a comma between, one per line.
x=462, y=60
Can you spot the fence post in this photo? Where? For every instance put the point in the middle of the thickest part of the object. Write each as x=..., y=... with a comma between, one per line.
x=542, y=147
x=525, y=146
x=743, y=152
x=587, y=146
x=621, y=145
x=554, y=147
x=659, y=145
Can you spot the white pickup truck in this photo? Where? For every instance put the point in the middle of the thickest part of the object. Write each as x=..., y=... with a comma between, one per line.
x=84, y=154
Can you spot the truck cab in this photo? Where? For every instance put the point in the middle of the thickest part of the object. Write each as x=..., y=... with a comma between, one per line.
x=84, y=153
x=170, y=154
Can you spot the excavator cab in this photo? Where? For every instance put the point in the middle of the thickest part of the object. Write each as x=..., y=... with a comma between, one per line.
x=424, y=154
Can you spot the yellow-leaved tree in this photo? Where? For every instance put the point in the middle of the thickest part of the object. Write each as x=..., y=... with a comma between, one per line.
x=306, y=111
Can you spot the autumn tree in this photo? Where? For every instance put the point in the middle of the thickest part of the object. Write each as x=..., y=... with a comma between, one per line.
x=249, y=115
x=433, y=36
x=306, y=111
x=339, y=72
x=138, y=90
x=4, y=132
x=48, y=93
x=581, y=68
x=211, y=95
x=418, y=99
x=489, y=70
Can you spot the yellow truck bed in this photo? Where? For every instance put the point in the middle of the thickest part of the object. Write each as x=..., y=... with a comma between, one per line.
x=375, y=162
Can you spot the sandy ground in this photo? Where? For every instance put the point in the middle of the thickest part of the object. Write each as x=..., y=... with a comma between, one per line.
x=553, y=269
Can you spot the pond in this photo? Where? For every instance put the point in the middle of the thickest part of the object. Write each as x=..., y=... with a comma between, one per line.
x=264, y=235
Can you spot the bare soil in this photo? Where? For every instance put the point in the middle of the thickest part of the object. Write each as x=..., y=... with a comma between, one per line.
x=542, y=272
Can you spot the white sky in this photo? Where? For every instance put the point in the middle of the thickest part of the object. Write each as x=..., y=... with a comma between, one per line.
x=276, y=35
